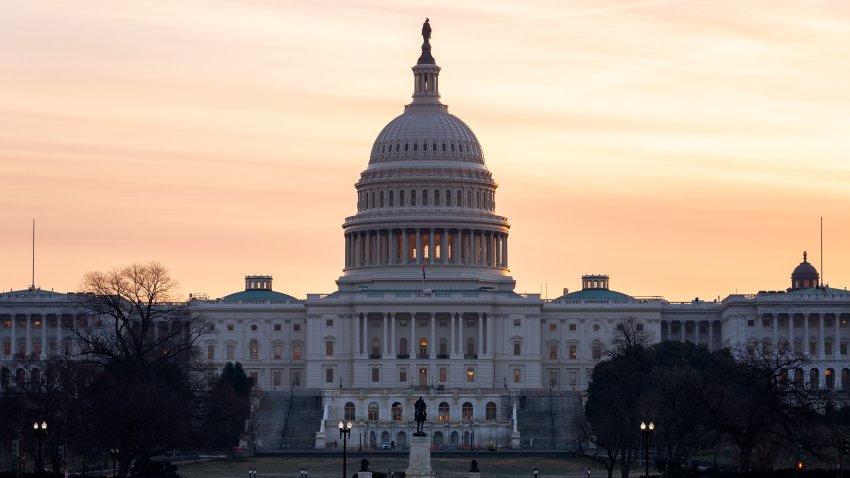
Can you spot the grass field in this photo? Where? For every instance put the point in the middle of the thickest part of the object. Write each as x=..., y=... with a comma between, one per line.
x=454, y=465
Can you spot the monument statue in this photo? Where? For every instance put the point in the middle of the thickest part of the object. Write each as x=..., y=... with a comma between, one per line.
x=426, y=31
x=474, y=467
x=364, y=465
x=420, y=415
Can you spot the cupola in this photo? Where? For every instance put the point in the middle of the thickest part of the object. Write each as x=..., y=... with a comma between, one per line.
x=805, y=276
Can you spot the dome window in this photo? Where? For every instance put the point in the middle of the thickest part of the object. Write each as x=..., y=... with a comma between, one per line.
x=444, y=147
x=434, y=147
x=392, y=199
x=413, y=197
x=397, y=147
x=383, y=148
x=424, y=197
x=415, y=146
x=436, y=197
x=460, y=148
x=405, y=147
x=424, y=146
x=448, y=197
x=453, y=147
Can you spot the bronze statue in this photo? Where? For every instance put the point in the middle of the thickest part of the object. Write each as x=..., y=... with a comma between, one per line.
x=364, y=465
x=474, y=467
x=420, y=415
x=426, y=31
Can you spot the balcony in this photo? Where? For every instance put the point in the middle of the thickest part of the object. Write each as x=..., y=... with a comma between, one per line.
x=470, y=356
x=442, y=356
x=403, y=356
x=374, y=356
x=422, y=356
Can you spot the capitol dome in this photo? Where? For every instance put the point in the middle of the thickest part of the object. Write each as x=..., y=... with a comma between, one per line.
x=426, y=134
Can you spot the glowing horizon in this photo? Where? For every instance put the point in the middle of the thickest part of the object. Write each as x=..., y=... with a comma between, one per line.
x=683, y=148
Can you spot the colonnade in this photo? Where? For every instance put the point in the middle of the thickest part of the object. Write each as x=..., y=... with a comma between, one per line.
x=436, y=245
x=392, y=331
x=34, y=338
x=815, y=334
x=697, y=337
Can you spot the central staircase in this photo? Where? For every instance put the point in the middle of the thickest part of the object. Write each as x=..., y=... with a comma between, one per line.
x=287, y=421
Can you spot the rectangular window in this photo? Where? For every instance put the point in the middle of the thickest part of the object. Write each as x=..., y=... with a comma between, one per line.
x=517, y=348
x=572, y=327
x=22, y=346
x=573, y=351
x=553, y=377
x=230, y=351
x=517, y=322
x=553, y=327
x=51, y=346
x=211, y=327
x=517, y=375
x=277, y=327
x=7, y=347
x=751, y=323
x=296, y=352
x=553, y=351
x=470, y=375
x=798, y=346
x=596, y=351
x=7, y=324
x=573, y=378
x=827, y=347
x=329, y=375
x=276, y=378
x=296, y=327
x=443, y=374
x=296, y=378
x=402, y=375
x=277, y=350
x=843, y=349
x=329, y=323
x=230, y=327
x=329, y=347
x=36, y=324
x=210, y=352
x=813, y=347
x=376, y=375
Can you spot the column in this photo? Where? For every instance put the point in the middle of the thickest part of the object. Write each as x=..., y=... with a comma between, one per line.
x=391, y=246
x=418, y=245
x=775, y=326
x=505, y=252
x=453, y=346
x=392, y=335
x=460, y=344
x=458, y=247
x=806, y=350
x=60, y=350
x=469, y=257
x=356, y=334
x=29, y=335
x=791, y=332
x=682, y=331
x=431, y=246
x=405, y=245
x=444, y=247
x=414, y=346
x=480, y=349
x=491, y=334
x=363, y=344
x=836, y=343
x=493, y=256
x=821, y=349
x=347, y=250
x=433, y=352
x=385, y=349
x=43, y=337
x=14, y=337
x=710, y=335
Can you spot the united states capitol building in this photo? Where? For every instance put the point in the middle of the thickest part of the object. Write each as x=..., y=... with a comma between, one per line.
x=426, y=306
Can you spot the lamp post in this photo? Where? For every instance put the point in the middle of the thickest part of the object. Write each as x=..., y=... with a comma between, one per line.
x=114, y=453
x=646, y=431
x=344, y=432
x=39, y=429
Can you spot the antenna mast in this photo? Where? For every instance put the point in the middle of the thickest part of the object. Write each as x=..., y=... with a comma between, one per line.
x=822, y=282
x=32, y=286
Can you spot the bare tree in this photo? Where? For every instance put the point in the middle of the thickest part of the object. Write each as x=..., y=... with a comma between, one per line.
x=146, y=397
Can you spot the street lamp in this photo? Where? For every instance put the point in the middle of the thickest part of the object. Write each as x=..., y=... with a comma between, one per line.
x=646, y=431
x=114, y=452
x=39, y=429
x=344, y=432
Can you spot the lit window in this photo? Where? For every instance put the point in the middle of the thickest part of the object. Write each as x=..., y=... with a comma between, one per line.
x=553, y=327
x=470, y=374
x=254, y=350
x=553, y=351
x=277, y=350
x=517, y=375
x=296, y=351
x=210, y=352
x=573, y=351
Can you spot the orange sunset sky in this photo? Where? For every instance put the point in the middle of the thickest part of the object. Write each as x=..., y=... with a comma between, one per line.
x=686, y=148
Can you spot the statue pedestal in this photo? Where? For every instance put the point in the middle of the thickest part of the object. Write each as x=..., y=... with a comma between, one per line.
x=474, y=474
x=515, y=441
x=420, y=458
x=364, y=474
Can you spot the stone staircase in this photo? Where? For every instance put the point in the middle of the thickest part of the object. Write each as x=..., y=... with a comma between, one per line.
x=547, y=421
x=287, y=421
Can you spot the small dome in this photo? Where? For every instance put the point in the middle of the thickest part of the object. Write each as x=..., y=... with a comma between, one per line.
x=805, y=275
x=426, y=133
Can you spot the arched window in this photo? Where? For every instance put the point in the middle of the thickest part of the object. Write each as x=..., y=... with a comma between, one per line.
x=424, y=197
x=397, y=412
x=382, y=199
x=35, y=375
x=490, y=410
x=373, y=411
x=798, y=376
x=437, y=197
x=444, y=347
x=596, y=351
x=469, y=199
x=349, y=411
x=402, y=347
x=829, y=375
x=459, y=202
x=253, y=350
x=466, y=412
x=443, y=412
x=20, y=377
x=814, y=378
x=448, y=198
x=412, y=197
x=392, y=198
x=401, y=198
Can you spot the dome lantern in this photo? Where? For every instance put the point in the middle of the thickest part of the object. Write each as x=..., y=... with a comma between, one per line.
x=805, y=276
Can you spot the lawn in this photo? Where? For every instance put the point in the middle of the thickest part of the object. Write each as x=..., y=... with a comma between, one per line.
x=454, y=465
